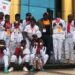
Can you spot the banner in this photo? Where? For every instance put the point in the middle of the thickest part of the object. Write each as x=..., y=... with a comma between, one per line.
x=5, y=6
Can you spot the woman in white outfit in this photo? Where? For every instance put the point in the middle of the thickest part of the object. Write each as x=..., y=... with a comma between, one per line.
x=58, y=26
x=69, y=52
x=38, y=56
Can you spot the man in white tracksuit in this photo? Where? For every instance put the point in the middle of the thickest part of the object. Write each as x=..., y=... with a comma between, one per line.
x=32, y=29
x=16, y=37
x=69, y=53
x=26, y=21
x=58, y=26
x=21, y=56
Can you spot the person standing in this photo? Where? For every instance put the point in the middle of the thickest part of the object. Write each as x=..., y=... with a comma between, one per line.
x=7, y=27
x=45, y=25
x=69, y=53
x=58, y=26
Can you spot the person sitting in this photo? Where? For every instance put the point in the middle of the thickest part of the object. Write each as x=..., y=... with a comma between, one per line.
x=21, y=56
x=38, y=56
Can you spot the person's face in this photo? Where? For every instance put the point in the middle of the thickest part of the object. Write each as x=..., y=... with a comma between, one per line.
x=45, y=17
x=23, y=45
x=28, y=17
x=32, y=23
x=70, y=18
x=17, y=18
x=34, y=37
x=41, y=44
x=35, y=44
x=7, y=18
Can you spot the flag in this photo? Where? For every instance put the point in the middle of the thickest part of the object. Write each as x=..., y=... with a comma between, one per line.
x=5, y=6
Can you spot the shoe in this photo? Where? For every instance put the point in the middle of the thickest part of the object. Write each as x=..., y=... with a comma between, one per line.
x=11, y=69
x=6, y=70
x=25, y=69
x=32, y=69
x=42, y=69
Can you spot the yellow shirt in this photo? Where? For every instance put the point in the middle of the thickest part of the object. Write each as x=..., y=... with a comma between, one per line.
x=46, y=22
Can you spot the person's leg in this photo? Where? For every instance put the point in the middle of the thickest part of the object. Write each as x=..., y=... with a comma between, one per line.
x=12, y=47
x=71, y=51
x=60, y=49
x=25, y=61
x=40, y=64
x=45, y=58
x=47, y=41
x=12, y=62
x=66, y=50
x=6, y=63
x=55, y=45
x=7, y=41
x=32, y=56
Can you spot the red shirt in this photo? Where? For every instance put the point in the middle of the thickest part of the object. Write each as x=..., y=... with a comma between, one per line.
x=16, y=25
x=68, y=27
x=17, y=52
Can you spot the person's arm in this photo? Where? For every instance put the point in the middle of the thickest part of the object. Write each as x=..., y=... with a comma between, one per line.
x=53, y=24
x=6, y=52
x=12, y=36
x=43, y=50
x=34, y=50
x=21, y=27
x=20, y=37
x=12, y=27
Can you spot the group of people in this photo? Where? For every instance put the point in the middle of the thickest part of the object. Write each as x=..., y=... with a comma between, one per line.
x=64, y=39
x=21, y=43
x=30, y=43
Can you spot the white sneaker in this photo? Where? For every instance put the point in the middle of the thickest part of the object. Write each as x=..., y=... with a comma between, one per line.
x=25, y=69
x=11, y=69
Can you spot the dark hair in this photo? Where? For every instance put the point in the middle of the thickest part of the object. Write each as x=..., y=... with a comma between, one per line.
x=17, y=15
x=70, y=15
x=45, y=14
x=2, y=42
x=33, y=19
x=1, y=15
x=7, y=16
x=23, y=42
x=28, y=14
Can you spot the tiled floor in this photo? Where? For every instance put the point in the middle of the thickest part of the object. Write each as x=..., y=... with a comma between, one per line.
x=47, y=72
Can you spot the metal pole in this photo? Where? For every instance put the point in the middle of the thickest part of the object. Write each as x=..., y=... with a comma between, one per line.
x=49, y=3
x=28, y=5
